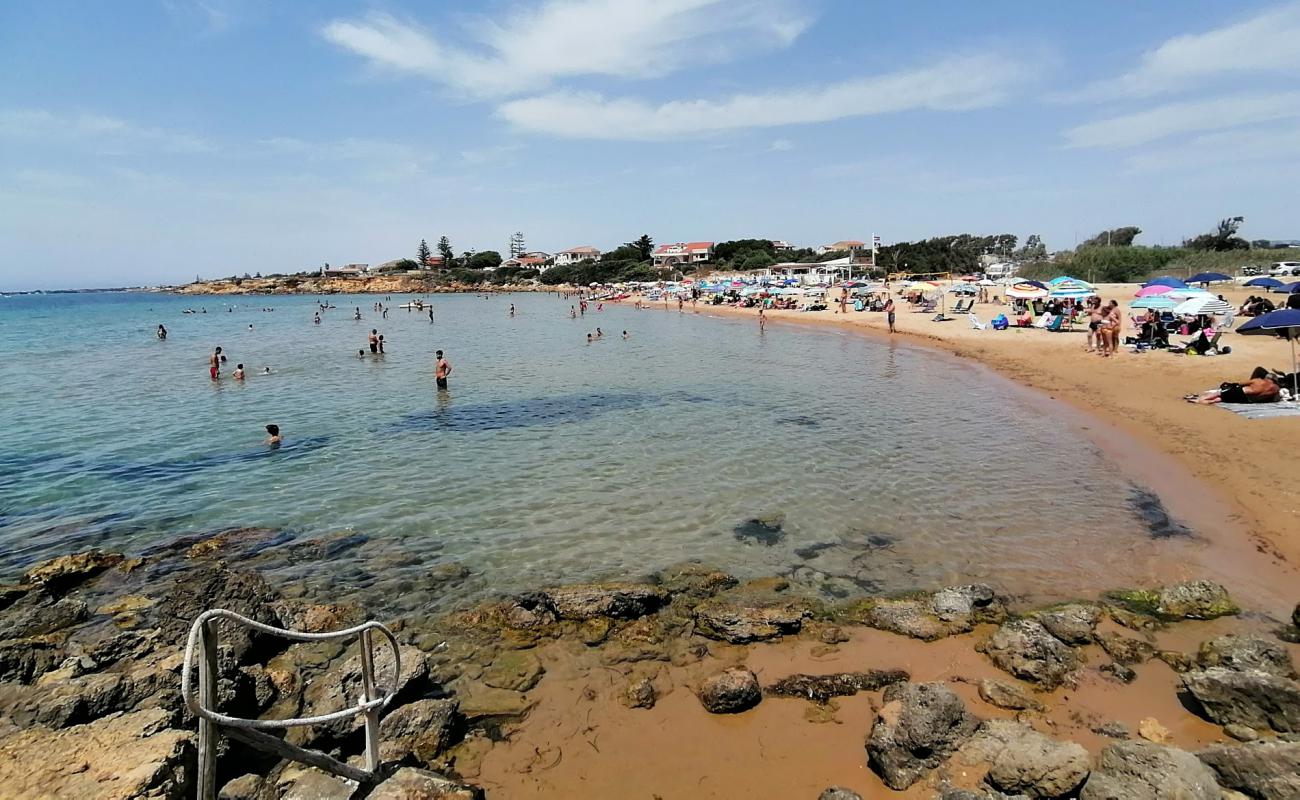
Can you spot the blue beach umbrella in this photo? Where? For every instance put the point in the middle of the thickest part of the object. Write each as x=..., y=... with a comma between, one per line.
x=1167, y=280
x=1209, y=277
x=1284, y=322
x=1069, y=288
x=1267, y=283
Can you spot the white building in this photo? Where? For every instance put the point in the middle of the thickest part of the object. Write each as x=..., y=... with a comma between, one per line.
x=575, y=254
x=674, y=255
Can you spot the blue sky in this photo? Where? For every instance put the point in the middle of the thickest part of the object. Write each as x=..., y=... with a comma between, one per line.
x=156, y=140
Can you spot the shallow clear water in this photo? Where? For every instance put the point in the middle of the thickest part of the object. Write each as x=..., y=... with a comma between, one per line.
x=877, y=466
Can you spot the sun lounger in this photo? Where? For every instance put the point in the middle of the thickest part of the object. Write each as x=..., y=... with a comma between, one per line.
x=975, y=322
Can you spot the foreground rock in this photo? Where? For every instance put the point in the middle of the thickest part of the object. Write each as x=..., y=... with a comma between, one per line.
x=1190, y=600
x=741, y=624
x=917, y=729
x=417, y=784
x=1007, y=695
x=730, y=692
x=1145, y=771
x=947, y=612
x=1026, y=649
x=1249, y=697
x=122, y=756
x=1266, y=770
x=60, y=574
x=1246, y=653
x=1023, y=761
x=422, y=730
x=821, y=688
x=614, y=600
x=341, y=687
x=1073, y=623
x=839, y=793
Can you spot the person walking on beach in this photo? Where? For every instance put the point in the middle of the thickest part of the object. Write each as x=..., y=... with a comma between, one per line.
x=441, y=370
x=889, y=313
x=214, y=364
x=374, y=340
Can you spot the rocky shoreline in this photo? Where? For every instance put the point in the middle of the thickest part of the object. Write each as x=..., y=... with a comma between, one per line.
x=91, y=651
x=370, y=284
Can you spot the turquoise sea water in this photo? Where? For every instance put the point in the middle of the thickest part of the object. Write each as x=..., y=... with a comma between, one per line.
x=875, y=465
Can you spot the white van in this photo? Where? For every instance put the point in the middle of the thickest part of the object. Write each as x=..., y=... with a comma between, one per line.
x=1284, y=269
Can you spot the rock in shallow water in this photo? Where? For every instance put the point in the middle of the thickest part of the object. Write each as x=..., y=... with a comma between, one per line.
x=730, y=692
x=64, y=572
x=1007, y=695
x=1073, y=623
x=917, y=729
x=1027, y=650
x=1025, y=762
x=409, y=783
x=1266, y=770
x=615, y=600
x=839, y=793
x=821, y=688
x=1246, y=652
x=1145, y=771
x=1246, y=697
x=424, y=729
x=741, y=624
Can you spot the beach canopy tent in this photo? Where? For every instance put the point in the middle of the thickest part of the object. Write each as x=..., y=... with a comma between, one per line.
x=1209, y=277
x=1149, y=291
x=1203, y=304
x=1266, y=283
x=1157, y=301
x=1284, y=322
x=1167, y=280
x=1027, y=290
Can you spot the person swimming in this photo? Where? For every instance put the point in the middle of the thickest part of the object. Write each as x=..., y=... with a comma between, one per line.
x=266, y=370
x=162, y=332
x=239, y=372
x=624, y=334
x=273, y=435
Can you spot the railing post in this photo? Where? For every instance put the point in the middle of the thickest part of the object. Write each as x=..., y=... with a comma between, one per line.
x=368, y=694
x=208, y=734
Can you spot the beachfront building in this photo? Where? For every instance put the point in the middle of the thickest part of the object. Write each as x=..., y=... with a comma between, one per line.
x=781, y=244
x=853, y=246
x=345, y=271
x=682, y=254
x=536, y=260
x=575, y=254
x=823, y=273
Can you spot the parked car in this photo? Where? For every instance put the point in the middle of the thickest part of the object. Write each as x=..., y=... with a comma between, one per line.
x=1285, y=269
x=1252, y=271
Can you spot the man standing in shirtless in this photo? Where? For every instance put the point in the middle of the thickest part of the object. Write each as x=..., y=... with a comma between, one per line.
x=374, y=340
x=441, y=370
x=214, y=364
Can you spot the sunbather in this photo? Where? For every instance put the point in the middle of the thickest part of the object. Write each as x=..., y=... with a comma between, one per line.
x=1261, y=388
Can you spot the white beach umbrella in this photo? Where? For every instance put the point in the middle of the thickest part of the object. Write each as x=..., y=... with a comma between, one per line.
x=1203, y=304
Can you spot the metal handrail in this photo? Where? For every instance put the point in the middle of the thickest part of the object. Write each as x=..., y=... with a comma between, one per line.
x=373, y=699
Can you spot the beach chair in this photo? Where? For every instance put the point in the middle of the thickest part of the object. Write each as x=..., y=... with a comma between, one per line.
x=975, y=322
x=962, y=307
x=1055, y=327
x=928, y=306
x=1228, y=321
x=1043, y=321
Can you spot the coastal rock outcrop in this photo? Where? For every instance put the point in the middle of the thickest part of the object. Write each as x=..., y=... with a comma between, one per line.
x=740, y=624
x=821, y=688
x=917, y=729
x=120, y=756
x=1126, y=650
x=242, y=591
x=1146, y=771
x=424, y=730
x=1023, y=761
x=1245, y=652
x=1073, y=623
x=1250, y=697
x=409, y=783
x=60, y=574
x=612, y=600
x=947, y=612
x=1008, y=696
x=1026, y=649
x=730, y=692
x=1189, y=600
x=1264, y=770
x=838, y=793
x=341, y=686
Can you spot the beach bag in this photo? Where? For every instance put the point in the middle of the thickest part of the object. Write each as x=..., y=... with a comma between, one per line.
x=1000, y=322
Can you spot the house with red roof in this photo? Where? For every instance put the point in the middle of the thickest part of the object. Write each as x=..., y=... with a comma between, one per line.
x=682, y=254
x=851, y=245
x=536, y=260
x=575, y=254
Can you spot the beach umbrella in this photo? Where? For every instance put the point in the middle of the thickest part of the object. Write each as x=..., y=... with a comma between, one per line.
x=1284, y=322
x=1267, y=283
x=1027, y=290
x=1209, y=277
x=1167, y=280
x=962, y=288
x=1069, y=288
x=1203, y=304
x=1148, y=291
x=1157, y=301
x=987, y=282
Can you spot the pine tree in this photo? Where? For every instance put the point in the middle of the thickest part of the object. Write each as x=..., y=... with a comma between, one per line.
x=422, y=254
x=444, y=250
x=517, y=244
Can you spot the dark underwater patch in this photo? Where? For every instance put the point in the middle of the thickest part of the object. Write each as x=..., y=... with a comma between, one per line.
x=1155, y=516
x=801, y=421
x=527, y=413
x=766, y=531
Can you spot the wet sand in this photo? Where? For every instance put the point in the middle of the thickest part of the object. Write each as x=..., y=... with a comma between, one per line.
x=579, y=741
x=1243, y=470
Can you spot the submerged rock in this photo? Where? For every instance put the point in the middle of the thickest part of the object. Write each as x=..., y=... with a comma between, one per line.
x=947, y=612
x=1246, y=697
x=60, y=574
x=694, y=581
x=821, y=688
x=1027, y=650
x=740, y=624
x=1023, y=761
x=122, y=756
x=1125, y=649
x=1246, y=652
x=1188, y=600
x=639, y=694
x=917, y=729
x=519, y=670
x=1265, y=770
x=1145, y=771
x=730, y=692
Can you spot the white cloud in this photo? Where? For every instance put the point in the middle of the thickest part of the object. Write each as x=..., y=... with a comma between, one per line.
x=954, y=84
x=107, y=134
x=1276, y=145
x=1265, y=43
x=781, y=145
x=530, y=47
x=1161, y=122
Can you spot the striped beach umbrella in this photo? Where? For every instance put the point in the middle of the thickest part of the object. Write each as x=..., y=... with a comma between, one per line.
x=1027, y=290
x=1149, y=291
x=1157, y=301
x=1067, y=288
x=1203, y=304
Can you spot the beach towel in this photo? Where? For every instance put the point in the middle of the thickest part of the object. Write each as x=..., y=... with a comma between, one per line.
x=1262, y=410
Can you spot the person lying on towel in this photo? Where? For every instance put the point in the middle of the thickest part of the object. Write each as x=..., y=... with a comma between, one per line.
x=1261, y=388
